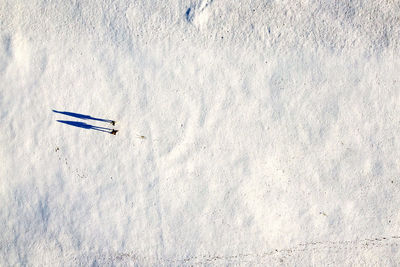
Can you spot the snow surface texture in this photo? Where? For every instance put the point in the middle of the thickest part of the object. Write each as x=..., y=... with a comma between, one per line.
x=250, y=132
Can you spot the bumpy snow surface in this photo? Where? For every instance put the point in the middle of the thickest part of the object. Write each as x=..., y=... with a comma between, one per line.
x=249, y=132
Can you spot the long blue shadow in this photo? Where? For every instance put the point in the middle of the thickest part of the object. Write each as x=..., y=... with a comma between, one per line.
x=87, y=126
x=82, y=116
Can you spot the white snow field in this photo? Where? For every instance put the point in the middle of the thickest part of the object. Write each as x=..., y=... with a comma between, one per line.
x=251, y=133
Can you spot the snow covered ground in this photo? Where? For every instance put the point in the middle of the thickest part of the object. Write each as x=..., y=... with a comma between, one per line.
x=250, y=132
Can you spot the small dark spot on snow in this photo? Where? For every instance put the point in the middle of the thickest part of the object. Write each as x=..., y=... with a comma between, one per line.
x=57, y=149
x=189, y=15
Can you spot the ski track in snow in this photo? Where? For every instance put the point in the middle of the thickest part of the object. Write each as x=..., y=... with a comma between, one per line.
x=276, y=256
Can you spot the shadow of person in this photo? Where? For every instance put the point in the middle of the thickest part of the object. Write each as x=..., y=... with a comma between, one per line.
x=83, y=117
x=88, y=126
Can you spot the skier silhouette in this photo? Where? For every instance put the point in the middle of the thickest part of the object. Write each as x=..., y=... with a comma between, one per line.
x=83, y=117
x=89, y=127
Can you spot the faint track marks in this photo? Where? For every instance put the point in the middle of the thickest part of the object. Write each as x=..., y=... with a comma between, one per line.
x=78, y=172
x=279, y=255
